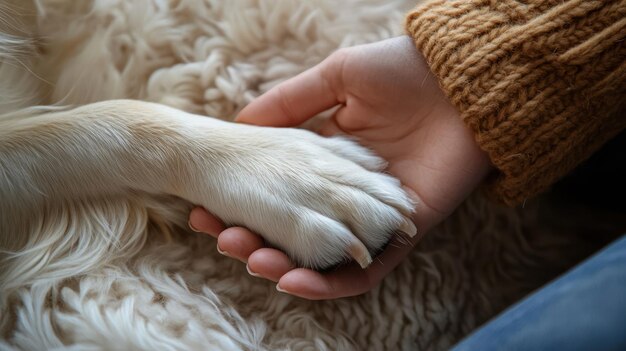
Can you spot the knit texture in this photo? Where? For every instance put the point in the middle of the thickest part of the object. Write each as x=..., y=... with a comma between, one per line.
x=540, y=83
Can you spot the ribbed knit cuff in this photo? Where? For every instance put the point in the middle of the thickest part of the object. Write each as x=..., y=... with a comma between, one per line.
x=539, y=82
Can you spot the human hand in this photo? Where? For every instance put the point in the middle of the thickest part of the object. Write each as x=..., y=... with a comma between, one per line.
x=390, y=101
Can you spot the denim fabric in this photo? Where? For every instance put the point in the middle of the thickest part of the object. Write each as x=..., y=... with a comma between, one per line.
x=584, y=309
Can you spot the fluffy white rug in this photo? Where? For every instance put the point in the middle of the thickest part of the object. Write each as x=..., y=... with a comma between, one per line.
x=144, y=282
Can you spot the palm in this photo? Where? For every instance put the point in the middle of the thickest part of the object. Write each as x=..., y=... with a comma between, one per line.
x=397, y=109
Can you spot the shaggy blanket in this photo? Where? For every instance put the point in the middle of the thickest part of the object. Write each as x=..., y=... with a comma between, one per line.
x=140, y=280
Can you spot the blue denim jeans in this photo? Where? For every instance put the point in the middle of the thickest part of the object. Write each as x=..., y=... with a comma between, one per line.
x=584, y=309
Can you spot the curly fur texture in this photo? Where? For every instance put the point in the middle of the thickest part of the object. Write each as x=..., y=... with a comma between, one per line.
x=126, y=273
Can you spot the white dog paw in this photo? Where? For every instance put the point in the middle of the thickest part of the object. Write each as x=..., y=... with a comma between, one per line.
x=320, y=200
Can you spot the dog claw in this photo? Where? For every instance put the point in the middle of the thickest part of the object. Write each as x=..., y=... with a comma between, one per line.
x=408, y=227
x=359, y=253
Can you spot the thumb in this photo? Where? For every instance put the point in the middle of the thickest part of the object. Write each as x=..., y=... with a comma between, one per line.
x=296, y=100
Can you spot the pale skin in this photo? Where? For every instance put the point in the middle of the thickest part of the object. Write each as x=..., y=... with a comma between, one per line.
x=391, y=102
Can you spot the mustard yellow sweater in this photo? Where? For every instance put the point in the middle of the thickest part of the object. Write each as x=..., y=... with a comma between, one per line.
x=540, y=83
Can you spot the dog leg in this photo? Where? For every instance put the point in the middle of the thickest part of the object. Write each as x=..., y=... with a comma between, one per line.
x=321, y=200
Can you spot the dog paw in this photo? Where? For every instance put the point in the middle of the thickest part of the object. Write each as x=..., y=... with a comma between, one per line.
x=320, y=200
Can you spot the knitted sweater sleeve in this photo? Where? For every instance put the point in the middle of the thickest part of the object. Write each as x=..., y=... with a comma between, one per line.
x=540, y=83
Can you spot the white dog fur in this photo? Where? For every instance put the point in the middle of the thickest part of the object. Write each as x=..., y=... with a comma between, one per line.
x=96, y=253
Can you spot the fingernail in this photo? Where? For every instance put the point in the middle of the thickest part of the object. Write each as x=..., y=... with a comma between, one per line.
x=223, y=252
x=227, y=254
x=192, y=228
x=253, y=273
x=200, y=231
x=281, y=289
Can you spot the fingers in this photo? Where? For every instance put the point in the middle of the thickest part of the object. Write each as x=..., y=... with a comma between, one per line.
x=202, y=221
x=269, y=263
x=297, y=99
x=238, y=243
x=262, y=262
x=272, y=264
x=243, y=245
x=347, y=281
